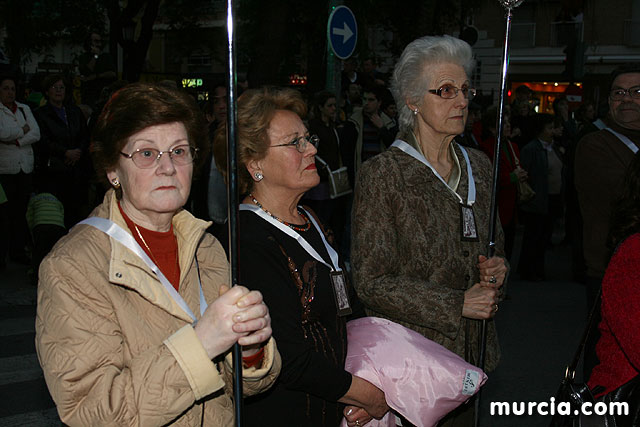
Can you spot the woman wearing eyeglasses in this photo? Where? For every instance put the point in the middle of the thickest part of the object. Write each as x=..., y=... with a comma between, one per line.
x=63, y=148
x=289, y=257
x=135, y=323
x=421, y=213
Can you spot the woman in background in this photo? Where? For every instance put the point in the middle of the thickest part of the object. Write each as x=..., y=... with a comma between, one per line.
x=332, y=212
x=510, y=174
x=18, y=132
x=64, y=148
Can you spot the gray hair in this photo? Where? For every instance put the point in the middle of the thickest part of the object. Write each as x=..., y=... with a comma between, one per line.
x=409, y=82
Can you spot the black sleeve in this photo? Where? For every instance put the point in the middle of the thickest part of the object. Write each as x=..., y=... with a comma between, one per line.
x=264, y=267
x=387, y=136
x=348, y=136
x=50, y=147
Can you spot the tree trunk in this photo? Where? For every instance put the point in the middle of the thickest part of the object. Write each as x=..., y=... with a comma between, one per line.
x=134, y=53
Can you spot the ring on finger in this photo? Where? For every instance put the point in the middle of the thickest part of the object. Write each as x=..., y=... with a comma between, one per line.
x=493, y=280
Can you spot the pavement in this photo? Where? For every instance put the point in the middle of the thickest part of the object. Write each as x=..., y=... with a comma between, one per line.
x=539, y=327
x=24, y=398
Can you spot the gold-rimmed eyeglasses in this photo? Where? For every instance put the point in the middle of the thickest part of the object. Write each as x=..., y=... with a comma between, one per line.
x=146, y=158
x=301, y=142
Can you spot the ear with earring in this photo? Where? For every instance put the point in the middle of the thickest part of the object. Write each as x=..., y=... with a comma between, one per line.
x=258, y=176
x=115, y=183
x=415, y=111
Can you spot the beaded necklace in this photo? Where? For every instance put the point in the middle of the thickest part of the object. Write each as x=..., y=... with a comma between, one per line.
x=305, y=227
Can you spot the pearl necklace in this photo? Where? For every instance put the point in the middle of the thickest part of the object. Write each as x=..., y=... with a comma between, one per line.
x=305, y=227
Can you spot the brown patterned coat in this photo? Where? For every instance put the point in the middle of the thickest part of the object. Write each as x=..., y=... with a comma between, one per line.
x=409, y=262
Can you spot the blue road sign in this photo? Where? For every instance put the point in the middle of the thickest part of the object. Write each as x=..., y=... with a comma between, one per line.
x=342, y=32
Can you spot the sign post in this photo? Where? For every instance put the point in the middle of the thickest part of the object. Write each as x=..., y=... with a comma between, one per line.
x=342, y=35
x=342, y=32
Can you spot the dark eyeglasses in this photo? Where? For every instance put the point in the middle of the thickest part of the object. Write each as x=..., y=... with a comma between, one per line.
x=618, y=94
x=450, y=91
x=301, y=143
x=146, y=158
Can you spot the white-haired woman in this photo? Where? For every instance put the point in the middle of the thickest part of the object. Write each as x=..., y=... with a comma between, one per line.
x=421, y=213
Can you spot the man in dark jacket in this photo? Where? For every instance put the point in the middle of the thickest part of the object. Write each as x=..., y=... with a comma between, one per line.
x=601, y=160
x=543, y=163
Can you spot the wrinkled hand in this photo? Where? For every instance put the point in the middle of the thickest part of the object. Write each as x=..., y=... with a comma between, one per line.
x=238, y=315
x=480, y=302
x=494, y=266
x=354, y=413
x=365, y=395
x=521, y=174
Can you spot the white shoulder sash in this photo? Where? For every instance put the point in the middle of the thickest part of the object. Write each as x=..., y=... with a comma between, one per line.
x=301, y=241
x=471, y=196
x=625, y=140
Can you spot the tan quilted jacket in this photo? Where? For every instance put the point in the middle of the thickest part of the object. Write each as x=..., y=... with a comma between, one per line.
x=115, y=348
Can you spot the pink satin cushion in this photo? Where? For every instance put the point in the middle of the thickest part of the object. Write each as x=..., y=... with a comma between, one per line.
x=421, y=380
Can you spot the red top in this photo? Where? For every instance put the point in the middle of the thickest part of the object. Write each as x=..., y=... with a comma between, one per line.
x=619, y=346
x=13, y=107
x=507, y=187
x=163, y=245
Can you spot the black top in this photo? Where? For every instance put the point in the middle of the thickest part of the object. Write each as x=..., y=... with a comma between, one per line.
x=56, y=137
x=311, y=341
x=329, y=147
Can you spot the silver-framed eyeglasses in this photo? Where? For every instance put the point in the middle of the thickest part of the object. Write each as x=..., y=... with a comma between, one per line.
x=618, y=94
x=301, y=142
x=450, y=91
x=146, y=158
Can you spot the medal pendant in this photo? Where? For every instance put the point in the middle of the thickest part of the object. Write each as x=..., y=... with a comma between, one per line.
x=339, y=285
x=468, y=229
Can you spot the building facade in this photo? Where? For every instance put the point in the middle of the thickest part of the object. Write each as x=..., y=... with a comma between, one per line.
x=556, y=45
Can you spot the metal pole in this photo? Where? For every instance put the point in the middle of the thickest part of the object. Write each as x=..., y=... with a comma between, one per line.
x=232, y=191
x=491, y=249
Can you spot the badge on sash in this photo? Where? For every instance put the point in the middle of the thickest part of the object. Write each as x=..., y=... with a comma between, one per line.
x=339, y=286
x=468, y=230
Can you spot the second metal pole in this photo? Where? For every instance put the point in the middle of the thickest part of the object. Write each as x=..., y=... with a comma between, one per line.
x=491, y=249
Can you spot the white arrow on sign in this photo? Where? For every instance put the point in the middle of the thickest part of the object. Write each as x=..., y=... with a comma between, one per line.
x=345, y=32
